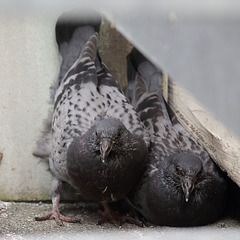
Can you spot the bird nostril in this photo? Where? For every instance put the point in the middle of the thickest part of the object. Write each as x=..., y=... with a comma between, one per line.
x=105, y=149
x=187, y=187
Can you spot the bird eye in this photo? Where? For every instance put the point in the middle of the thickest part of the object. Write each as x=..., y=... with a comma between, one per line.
x=178, y=170
x=96, y=134
x=199, y=174
x=118, y=135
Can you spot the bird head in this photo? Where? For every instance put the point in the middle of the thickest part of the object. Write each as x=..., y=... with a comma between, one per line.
x=188, y=168
x=109, y=133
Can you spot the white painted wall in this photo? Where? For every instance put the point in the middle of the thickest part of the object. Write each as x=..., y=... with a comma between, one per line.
x=28, y=65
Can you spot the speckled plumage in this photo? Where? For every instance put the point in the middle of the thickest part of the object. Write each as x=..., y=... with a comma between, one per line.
x=99, y=144
x=181, y=186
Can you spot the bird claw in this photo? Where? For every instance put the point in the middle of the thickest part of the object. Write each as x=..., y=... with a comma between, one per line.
x=118, y=220
x=131, y=220
x=59, y=218
x=108, y=216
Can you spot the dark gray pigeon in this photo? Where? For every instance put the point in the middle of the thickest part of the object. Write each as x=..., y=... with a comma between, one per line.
x=181, y=186
x=98, y=144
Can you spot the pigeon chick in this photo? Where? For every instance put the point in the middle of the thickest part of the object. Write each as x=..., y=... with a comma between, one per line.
x=99, y=145
x=181, y=186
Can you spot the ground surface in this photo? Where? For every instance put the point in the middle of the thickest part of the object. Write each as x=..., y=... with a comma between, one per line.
x=17, y=222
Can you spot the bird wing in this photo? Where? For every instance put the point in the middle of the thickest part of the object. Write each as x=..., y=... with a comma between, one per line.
x=75, y=105
x=167, y=134
x=157, y=193
x=151, y=76
x=118, y=105
x=77, y=96
x=86, y=92
x=72, y=32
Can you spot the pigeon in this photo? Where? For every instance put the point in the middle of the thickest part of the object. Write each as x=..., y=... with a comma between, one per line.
x=181, y=185
x=97, y=144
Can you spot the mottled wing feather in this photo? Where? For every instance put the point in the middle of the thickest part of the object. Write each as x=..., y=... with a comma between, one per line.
x=84, y=95
x=73, y=29
x=105, y=78
x=118, y=106
x=75, y=102
x=168, y=136
x=151, y=77
x=158, y=195
x=147, y=105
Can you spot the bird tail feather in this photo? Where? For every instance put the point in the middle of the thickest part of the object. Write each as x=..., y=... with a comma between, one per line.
x=73, y=29
x=44, y=144
x=144, y=84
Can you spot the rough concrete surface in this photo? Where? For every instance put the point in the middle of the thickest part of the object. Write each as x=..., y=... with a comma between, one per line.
x=29, y=64
x=17, y=222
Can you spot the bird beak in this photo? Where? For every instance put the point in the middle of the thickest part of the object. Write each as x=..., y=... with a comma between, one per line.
x=105, y=149
x=187, y=187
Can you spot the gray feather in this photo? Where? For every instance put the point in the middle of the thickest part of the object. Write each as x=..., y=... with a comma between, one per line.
x=88, y=101
x=44, y=144
x=159, y=196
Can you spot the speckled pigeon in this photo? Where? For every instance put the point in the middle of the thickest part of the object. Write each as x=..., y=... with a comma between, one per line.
x=181, y=186
x=98, y=143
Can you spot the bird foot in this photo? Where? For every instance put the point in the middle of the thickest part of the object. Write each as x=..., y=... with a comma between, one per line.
x=119, y=220
x=59, y=218
x=131, y=220
x=108, y=215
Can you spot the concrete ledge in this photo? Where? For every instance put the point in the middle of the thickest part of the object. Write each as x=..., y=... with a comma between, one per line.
x=17, y=222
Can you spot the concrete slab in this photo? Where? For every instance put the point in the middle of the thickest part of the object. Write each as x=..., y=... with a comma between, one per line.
x=17, y=222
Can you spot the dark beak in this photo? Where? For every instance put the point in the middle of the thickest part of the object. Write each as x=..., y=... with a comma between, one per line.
x=187, y=187
x=105, y=149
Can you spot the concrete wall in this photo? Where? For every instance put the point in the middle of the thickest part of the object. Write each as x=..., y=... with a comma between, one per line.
x=28, y=65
